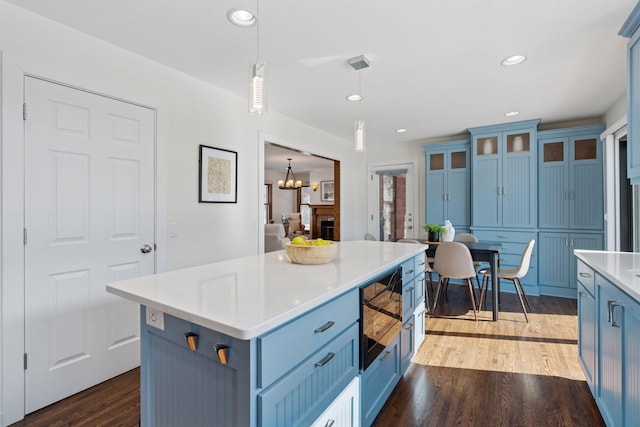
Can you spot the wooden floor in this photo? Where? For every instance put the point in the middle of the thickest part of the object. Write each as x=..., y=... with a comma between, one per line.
x=505, y=373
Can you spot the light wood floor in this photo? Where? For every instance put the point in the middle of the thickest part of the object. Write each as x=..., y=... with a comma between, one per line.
x=505, y=373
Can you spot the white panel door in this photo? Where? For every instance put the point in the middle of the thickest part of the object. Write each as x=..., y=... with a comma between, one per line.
x=89, y=203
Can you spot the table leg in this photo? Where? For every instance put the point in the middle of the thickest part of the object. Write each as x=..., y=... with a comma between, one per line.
x=495, y=285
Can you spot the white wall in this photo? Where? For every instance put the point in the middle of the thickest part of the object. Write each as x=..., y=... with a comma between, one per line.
x=319, y=175
x=616, y=112
x=190, y=113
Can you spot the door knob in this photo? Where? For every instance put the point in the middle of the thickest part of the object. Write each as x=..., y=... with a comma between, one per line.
x=145, y=249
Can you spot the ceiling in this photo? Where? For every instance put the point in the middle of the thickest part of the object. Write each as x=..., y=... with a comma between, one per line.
x=435, y=65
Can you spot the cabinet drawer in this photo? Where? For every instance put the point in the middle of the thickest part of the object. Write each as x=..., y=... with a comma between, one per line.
x=378, y=381
x=313, y=385
x=408, y=270
x=586, y=276
x=283, y=349
x=343, y=412
x=505, y=236
x=419, y=261
x=408, y=299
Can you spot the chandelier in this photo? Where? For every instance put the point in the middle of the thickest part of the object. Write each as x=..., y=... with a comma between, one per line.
x=289, y=182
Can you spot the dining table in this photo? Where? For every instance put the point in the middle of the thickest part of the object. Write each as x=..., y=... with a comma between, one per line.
x=484, y=252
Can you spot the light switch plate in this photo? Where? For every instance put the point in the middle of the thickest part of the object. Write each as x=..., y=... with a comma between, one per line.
x=155, y=318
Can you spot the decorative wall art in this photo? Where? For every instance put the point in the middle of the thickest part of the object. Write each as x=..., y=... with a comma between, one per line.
x=218, y=175
x=326, y=191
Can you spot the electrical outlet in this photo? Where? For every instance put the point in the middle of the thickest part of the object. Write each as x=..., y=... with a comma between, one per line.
x=155, y=318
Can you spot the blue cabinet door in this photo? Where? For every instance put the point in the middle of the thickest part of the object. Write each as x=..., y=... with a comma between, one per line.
x=630, y=30
x=553, y=170
x=486, y=185
x=407, y=344
x=519, y=179
x=585, y=184
x=587, y=334
x=609, y=395
x=448, y=177
x=631, y=368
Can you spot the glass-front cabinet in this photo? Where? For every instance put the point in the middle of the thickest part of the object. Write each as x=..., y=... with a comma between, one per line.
x=448, y=183
x=504, y=178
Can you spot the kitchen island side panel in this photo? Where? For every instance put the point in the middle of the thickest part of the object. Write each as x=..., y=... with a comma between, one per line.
x=179, y=386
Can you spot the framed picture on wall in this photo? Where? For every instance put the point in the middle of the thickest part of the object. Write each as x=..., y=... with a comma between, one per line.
x=326, y=191
x=218, y=175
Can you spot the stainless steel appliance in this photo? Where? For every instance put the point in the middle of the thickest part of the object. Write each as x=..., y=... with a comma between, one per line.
x=381, y=315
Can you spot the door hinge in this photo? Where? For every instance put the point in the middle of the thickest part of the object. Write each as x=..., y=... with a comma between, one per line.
x=155, y=247
x=371, y=177
x=24, y=236
x=25, y=361
x=24, y=111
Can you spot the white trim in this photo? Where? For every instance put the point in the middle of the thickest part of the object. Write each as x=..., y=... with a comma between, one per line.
x=14, y=69
x=619, y=124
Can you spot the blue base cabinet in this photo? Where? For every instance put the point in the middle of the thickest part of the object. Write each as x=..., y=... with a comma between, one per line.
x=378, y=381
x=557, y=275
x=609, y=346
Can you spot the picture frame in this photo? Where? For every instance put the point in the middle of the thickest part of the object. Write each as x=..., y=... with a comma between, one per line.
x=327, y=193
x=218, y=181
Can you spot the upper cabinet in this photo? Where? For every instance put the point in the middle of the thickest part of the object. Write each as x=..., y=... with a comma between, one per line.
x=447, y=174
x=570, y=179
x=504, y=176
x=630, y=30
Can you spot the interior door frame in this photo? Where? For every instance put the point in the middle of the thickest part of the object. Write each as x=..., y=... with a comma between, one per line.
x=12, y=281
x=372, y=203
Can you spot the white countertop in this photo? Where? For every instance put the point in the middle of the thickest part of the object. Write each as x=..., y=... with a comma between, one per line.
x=249, y=296
x=621, y=268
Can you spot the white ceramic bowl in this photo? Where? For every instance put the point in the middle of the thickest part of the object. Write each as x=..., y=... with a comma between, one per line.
x=299, y=254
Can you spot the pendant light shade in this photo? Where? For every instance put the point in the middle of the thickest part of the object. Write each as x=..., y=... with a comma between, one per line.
x=290, y=182
x=360, y=135
x=257, y=88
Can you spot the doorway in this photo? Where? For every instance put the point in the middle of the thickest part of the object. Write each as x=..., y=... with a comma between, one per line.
x=392, y=214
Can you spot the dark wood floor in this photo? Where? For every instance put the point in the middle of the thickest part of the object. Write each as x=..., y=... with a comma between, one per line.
x=505, y=373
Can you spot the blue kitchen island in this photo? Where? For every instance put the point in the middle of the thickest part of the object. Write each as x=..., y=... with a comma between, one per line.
x=260, y=341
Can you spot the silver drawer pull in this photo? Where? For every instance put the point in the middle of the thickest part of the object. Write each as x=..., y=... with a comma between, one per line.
x=408, y=327
x=500, y=236
x=410, y=289
x=585, y=275
x=330, y=423
x=386, y=356
x=325, y=360
x=422, y=263
x=409, y=272
x=614, y=324
x=324, y=327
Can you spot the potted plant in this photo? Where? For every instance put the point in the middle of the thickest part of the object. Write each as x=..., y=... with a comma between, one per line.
x=434, y=231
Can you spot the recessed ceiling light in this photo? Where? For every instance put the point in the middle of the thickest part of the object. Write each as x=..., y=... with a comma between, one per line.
x=241, y=17
x=401, y=130
x=354, y=97
x=512, y=113
x=513, y=60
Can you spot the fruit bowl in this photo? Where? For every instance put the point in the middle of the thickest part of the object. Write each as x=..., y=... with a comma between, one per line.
x=310, y=253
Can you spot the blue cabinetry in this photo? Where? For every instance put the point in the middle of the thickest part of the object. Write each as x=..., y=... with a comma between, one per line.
x=587, y=327
x=448, y=175
x=630, y=30
x=618, y=386
x=379, y=380
x=504, y=175
x=570, y=179
x=557, y=275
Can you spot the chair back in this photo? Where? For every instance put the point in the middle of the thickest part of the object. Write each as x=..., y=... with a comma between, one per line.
x=465, y=237
x=453, y=260
x=525, y=260
x=369, y=236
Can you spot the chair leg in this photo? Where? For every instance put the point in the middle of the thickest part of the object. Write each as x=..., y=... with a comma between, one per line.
x=473, y=298
x=427, y=304
x=435, y=298
x=524, y=309
x=483, y=291
x=524, y=294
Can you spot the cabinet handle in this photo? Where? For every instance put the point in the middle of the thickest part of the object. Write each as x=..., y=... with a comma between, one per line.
x=585, y=275
x=324, y=327
x=566, y=195
x=572, y=241
x=422, y=263
x=325, y=360
x=609, y=302
x=408, y=327
x=613, y=305
x=582, y=294
x=409, y=271
x=500, y=236
x=330, y=423
x=410, y=289
x=566, y=242
x=386, y=356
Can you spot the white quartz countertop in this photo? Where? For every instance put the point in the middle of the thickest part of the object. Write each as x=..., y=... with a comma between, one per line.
x=621, y=268
x=246, y=297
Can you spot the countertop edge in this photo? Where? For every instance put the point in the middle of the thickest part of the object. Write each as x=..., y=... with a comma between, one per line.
x=604, y=271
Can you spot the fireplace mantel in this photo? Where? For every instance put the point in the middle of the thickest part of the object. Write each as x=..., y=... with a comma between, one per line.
x=320, y=213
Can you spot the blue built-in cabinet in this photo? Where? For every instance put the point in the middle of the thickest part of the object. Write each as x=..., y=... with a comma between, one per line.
x=630, y=30
x=570, y=203
x=504, y=175
x=448, y=183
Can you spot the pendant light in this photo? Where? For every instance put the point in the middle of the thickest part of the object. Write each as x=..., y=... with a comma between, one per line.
x=358, y=63
x=290, y=182
x=258, y=75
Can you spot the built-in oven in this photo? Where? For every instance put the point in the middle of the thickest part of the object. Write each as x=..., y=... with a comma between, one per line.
x=380, y=315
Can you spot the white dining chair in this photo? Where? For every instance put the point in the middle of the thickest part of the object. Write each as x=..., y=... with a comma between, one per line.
x=453, y=261
x=513, y=274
